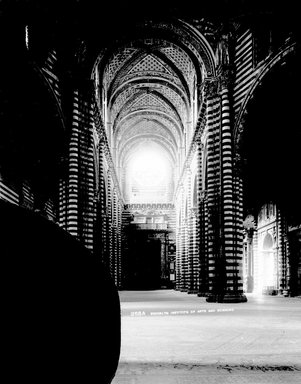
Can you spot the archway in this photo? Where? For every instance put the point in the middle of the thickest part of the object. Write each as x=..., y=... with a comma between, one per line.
x=270, y=163
x=270, y=142
x=148, y=95
x=267, y=265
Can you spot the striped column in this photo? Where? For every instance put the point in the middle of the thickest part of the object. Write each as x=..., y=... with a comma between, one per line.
x=287, y=265
x=256, y=262
x=109, y=224
x=73, y=187
x=203, y=256
x=286, y=257
x=193, y=248
x=125, y=220
x=100, y=219
x=26, y=196
x=213, y=189
x=244, y=68
x=103, y=204
x=201, y=229
x=281, y=253
x=8, y=193
x=77, y=205
x=181, y=237
x=228, y=257
x=184, y=255
x=238, y=230
x=51, y=210
x=189, y=233
x=63, y=203
x=229, y=260
x=178, y=252
x=178, y=245
x=87, y=187
x=97, y=225
x=196, y=251
x=238, y=219
x=119, y=264
x=193, y=253
x=114, y=237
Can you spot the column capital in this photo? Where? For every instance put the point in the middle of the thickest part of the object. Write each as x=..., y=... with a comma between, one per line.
x=225, y=78
x=193, y=212
x=196, y=144
x=203, y=194
x=211, y=87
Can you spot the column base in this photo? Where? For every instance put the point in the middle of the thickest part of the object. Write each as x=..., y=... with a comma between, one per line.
x=227, y=298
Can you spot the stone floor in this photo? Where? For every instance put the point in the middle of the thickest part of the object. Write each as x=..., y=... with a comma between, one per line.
x=172, y=337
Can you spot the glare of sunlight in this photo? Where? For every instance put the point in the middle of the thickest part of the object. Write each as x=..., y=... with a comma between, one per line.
x=149, y=168
x=149, y=174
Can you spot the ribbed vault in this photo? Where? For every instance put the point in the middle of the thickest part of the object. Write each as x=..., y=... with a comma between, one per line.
x=149, y=93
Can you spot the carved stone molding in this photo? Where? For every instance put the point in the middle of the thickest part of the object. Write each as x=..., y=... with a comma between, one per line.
x=203, y=194
x=211, y=87
x=194, y=212
x=225, y=78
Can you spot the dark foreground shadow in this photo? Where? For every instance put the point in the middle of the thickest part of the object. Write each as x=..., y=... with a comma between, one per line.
x=60, y=309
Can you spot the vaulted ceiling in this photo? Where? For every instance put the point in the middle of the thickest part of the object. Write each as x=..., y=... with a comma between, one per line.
x=149, y=91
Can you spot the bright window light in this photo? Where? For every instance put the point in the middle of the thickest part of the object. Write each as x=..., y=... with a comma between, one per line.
x=149, y=169
x=148, y=174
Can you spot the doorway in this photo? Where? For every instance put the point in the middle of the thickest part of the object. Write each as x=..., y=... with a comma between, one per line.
x=267, y=266
x=143, y=261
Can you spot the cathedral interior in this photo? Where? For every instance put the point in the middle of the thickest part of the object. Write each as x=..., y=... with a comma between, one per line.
x=163, y=137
